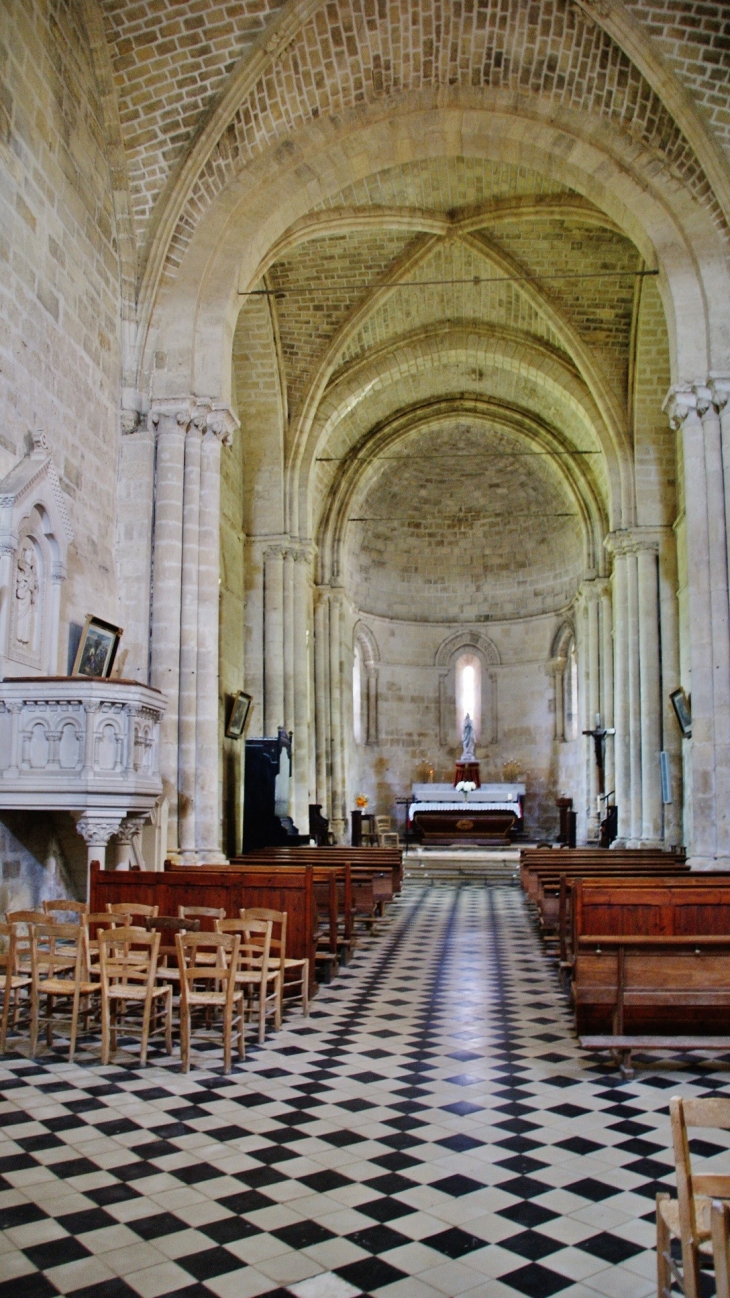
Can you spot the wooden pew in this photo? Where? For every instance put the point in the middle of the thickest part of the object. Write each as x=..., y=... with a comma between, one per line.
x=380, y=860
x=537, y=861
x=333, y=891
x=652, y=964
x=290, y=889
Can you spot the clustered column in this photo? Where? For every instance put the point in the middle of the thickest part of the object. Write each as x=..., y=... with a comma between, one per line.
x=637, y=685
x=596, y=665
x=287, y=604
x=329, y=695
x=700, y=411
x=184, y=637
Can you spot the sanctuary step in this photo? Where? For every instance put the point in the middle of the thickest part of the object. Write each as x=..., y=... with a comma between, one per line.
x=431, y=866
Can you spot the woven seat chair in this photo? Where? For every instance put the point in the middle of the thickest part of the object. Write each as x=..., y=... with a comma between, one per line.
x=687, y=1218
x=52, y=979
x=13, y=982
x=255, y=977
x=222, y=995
x=128, y=969
x=279, y=961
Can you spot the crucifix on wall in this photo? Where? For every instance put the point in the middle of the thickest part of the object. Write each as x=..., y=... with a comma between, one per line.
x=598, y=735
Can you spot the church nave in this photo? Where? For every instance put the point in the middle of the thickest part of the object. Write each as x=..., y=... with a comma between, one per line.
x=431, y=1130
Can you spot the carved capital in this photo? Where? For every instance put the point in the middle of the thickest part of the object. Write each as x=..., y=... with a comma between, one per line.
x=168, y=412
x=222, y=422
x=130, y=827
x=680, y=401
x=619, y=543
x=97, y=830
x=719, y=386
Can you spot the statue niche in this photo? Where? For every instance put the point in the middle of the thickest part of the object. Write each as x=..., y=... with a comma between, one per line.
x=35, y=534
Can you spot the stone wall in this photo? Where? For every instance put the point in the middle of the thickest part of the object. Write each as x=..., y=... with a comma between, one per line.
x=59, y=285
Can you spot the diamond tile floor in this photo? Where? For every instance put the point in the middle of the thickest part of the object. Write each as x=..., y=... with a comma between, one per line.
x=432, y=1129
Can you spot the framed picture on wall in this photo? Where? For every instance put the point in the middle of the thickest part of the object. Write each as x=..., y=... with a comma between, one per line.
x=682, y=711
x=97, y=648
x=239, y=715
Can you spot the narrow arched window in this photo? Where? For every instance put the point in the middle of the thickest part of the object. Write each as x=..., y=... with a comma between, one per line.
x=357, y=694
x=469, y=692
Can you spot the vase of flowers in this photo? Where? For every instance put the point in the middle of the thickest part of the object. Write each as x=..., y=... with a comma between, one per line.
x=361, y=801
x=465, y=787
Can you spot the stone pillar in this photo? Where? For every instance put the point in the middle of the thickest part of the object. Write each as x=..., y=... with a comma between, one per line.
x=220, y=425
x=622, y=764
x=339, y=820
x=649, y=681
x=289, y=636
x=690, y=407
x=187, y=725
x=555, y=669
x=720, y=614
x=593, y=706
x=300, y=683
x=321, y=699
x=372, y=704
x=96, y=828
x=603, y=588
x=171, y=419
x=127, y=832
x=273, y=639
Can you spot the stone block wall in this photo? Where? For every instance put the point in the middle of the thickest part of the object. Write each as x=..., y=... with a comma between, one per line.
x=59, y=285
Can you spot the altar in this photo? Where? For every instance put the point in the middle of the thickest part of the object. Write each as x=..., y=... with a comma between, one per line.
x=483, y=817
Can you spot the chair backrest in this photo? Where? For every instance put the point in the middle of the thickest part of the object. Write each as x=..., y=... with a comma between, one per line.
x=720, y=1227
x=127, y=955
x=9, y=945
x=277, y=919
x=26, y=917
x=201, y=912
x=686, y=1113
x=130, y=909
x=65, y=906
x=51, y=946
x=382, y=824
x=255, y=944
x=193, y=970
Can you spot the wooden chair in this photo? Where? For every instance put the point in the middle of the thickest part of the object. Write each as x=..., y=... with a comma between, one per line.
x=279, y=961
x=167, y=926
x=65, y=906
x=386, y=835
x=687, y=1218
x=720, y=1230
x=94, y=925
x=131, y=909
x=213, y=913
x=13, y=983
x=50, y=945
x=223, y=996
x=253, y=974
x=128, y=967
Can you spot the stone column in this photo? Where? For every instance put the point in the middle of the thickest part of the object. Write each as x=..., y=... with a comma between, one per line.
x=720, y=613
x=339, y=822
x=603, y=587
x=594, y=706
x=372, y=704
x=634, y=696
x=622, y=773
x=273, y=638
x=289, y=635
x=321, y=693
x=187, y=726
x=555, y=669
x=96, y=828
x=690, y=407
x=300, y=685
x=128, y=830
x=649, y=680
x=171, y=419
x=220, y=425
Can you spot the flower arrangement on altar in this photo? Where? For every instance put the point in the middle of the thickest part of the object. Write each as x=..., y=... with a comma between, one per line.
x=465, y=787
x=361, y=801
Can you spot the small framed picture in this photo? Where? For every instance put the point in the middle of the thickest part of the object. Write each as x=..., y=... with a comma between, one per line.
x=97, y=648
x=683, y=712
x=239, y=714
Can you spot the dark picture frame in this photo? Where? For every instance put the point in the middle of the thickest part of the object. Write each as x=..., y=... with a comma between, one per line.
x=682, y=711
x=97, y=648
x=239, y=714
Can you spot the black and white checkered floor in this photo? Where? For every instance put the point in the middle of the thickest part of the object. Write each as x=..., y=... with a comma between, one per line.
x=431, y=1130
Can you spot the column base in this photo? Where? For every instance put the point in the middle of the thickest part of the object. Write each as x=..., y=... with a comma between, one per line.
x=708, y=864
